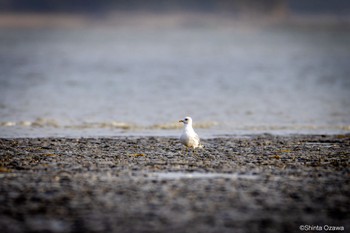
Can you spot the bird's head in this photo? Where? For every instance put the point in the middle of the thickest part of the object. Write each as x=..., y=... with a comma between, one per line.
x=186, y=121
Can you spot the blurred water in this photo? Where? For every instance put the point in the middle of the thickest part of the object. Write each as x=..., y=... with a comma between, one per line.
x=199, y=175
x=129, y=78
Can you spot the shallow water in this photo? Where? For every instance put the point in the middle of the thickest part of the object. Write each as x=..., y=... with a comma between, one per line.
x=142, y=78
x=199, y=175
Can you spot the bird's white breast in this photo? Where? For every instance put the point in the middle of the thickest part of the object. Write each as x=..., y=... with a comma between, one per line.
x=189, y=138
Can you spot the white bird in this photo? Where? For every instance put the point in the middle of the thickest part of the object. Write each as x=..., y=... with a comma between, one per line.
x=189, y=137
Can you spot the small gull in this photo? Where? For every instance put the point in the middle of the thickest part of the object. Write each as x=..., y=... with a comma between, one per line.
x=189, y=138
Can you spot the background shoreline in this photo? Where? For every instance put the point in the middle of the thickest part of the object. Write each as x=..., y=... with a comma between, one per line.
x=12, y=132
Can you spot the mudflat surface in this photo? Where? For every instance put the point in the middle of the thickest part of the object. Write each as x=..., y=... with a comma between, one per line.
x=148, y=184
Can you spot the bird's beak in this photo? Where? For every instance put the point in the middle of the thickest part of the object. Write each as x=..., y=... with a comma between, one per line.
x=181, y=120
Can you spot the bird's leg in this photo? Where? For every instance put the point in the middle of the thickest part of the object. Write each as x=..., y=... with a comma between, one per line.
x=184, y=151
x=188, y=151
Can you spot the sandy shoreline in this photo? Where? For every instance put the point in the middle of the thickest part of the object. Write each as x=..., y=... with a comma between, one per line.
x=144, y=184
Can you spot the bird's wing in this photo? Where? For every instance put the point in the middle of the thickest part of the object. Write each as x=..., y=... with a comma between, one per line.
x=196, y=137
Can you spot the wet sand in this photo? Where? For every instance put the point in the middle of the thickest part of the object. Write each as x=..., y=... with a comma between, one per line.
x=260, y=183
